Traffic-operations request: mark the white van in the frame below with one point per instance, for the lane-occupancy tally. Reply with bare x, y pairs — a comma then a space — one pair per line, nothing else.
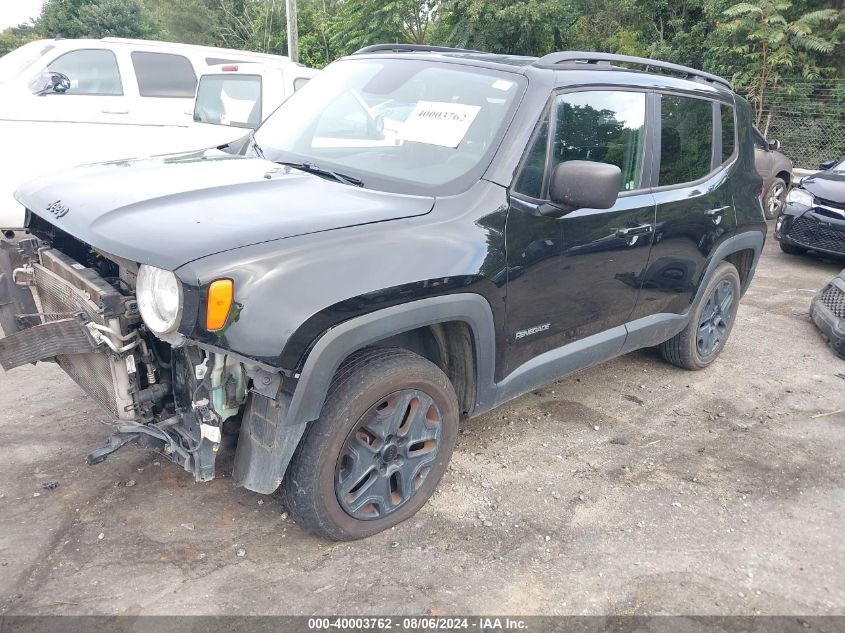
67, 102
243, 95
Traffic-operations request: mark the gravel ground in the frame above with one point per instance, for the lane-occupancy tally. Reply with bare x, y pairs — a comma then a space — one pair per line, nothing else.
631, 488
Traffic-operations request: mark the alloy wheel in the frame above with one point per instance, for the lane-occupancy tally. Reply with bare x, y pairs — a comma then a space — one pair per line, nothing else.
388, 454
715, 319
776, 200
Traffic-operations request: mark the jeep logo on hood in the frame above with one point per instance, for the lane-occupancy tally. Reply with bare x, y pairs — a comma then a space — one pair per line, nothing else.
57, 209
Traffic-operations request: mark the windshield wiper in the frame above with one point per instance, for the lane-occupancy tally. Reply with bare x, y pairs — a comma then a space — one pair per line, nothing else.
255, 144
325, 173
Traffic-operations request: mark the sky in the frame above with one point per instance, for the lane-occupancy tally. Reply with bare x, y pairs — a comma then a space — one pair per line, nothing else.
14, 12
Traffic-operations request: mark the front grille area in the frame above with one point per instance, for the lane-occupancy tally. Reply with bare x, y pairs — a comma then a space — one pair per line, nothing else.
833, 299
807, 232
95, 373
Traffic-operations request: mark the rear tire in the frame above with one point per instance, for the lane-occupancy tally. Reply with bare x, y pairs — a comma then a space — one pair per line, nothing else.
379, 448
704, 337
791, 249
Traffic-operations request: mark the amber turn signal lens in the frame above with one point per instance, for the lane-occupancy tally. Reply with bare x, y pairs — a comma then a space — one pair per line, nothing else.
220, 294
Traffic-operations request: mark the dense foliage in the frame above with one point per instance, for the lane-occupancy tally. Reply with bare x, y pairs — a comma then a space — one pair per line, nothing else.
774, 50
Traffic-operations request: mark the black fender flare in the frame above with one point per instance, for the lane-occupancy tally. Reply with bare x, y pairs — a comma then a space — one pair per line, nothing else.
273, 428
753, 240
336, 344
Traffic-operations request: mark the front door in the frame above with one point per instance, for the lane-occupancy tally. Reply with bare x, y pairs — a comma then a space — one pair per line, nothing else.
572, 277
96, 93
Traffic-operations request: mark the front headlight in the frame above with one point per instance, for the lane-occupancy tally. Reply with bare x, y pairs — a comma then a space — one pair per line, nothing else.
800, 197
159, 295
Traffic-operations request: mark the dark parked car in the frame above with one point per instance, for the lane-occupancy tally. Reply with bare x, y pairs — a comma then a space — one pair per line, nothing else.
776, 170
814, 215
332, 294
828, 313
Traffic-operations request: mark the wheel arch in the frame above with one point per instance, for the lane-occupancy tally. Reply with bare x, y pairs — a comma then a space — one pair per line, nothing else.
743, 251
444, 329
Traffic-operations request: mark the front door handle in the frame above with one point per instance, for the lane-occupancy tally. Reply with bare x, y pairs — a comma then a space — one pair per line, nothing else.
114, 111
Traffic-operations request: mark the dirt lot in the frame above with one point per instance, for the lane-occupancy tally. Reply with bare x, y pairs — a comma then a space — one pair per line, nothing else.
632, 488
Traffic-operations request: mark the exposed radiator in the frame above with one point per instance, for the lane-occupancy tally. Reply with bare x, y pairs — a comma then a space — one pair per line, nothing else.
103, 375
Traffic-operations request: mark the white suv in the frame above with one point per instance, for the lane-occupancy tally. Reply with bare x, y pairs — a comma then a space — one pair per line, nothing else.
66, 102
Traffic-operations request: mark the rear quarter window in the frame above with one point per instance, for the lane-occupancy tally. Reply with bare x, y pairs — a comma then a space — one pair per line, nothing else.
164, 75
728, 131
229, 100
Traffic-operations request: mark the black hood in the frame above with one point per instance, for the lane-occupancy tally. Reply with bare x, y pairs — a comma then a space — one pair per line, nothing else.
828, 185
171, 210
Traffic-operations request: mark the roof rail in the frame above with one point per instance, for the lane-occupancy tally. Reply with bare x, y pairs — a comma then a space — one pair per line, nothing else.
555, 59
410, 48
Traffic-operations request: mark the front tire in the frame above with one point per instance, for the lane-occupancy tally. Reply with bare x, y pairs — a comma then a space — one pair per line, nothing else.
379, 448
704, 337
775, 199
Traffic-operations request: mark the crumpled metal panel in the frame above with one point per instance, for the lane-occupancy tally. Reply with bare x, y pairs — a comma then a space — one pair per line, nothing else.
65, 336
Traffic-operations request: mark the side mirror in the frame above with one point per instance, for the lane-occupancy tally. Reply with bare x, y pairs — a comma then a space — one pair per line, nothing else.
580, 184
828, 164
52, 82
774, 146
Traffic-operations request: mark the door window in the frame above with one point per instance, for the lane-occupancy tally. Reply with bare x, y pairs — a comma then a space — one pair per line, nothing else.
759, 140
164, 75
91, 72
686, 139
604, 126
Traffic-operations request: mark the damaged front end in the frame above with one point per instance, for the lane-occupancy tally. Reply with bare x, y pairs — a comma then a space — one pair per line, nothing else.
81, 311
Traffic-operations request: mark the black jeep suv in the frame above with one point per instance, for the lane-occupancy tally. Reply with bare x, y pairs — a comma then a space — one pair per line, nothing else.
415, 237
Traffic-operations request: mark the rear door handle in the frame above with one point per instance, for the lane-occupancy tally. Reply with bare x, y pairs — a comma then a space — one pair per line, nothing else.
631, 231
631, 234
114, 111
716, 214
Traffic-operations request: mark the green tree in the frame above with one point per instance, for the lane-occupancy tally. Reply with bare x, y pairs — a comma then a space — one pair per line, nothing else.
16, 36
97, 18
189, 21
358, 23
522, 27
764, 45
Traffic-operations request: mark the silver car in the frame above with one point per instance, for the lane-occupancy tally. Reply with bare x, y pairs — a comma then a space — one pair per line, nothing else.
776, 170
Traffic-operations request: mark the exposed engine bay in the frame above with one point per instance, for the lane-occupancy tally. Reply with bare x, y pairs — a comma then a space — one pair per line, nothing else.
81, 312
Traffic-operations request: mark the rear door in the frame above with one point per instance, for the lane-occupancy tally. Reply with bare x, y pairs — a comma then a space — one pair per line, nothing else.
576, 276
166, 85
697, 153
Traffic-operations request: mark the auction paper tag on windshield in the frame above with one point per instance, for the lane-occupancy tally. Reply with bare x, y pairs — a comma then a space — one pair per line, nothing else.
439, 123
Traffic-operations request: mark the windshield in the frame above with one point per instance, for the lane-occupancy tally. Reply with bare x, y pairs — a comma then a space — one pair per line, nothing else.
15, 62
400, 125
229, 100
